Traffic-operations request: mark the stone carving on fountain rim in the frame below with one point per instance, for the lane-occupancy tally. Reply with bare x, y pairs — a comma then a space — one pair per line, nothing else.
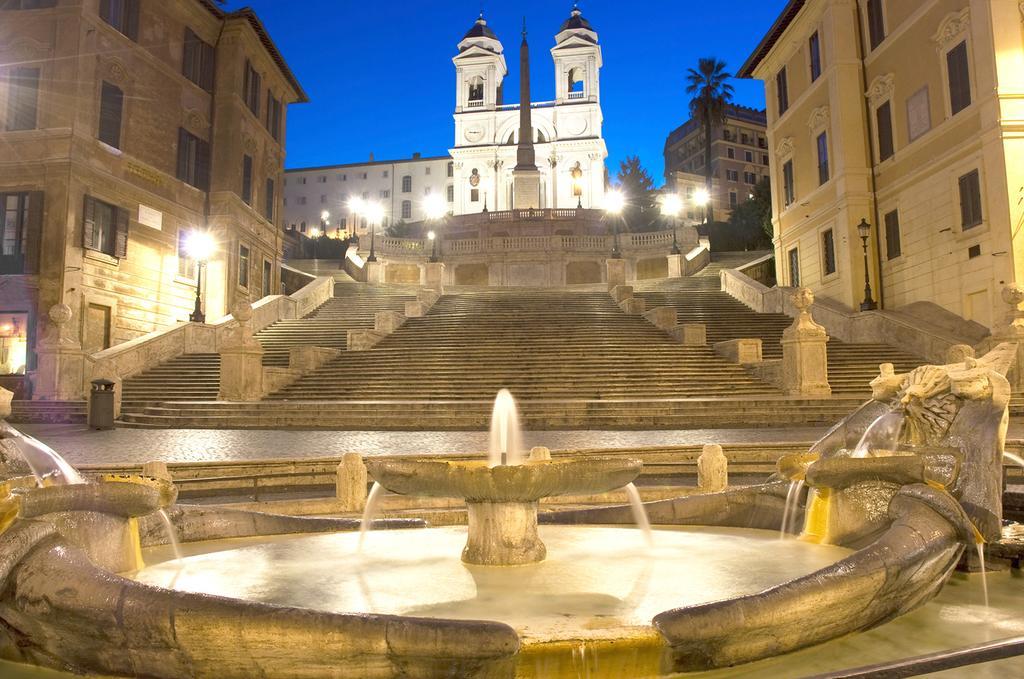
804, 326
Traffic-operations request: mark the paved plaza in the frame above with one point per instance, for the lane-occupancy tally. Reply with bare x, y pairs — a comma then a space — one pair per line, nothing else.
82, 446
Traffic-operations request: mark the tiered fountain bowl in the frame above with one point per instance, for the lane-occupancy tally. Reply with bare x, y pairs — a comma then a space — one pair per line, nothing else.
502, 500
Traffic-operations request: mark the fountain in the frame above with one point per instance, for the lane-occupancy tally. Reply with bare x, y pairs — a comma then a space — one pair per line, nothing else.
881, 531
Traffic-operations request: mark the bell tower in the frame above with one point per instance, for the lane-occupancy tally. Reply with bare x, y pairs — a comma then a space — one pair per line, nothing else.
479, 69
577, 57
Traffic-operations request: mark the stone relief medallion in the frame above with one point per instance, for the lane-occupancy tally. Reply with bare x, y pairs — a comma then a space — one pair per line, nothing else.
576, 125
474, 178
474, 133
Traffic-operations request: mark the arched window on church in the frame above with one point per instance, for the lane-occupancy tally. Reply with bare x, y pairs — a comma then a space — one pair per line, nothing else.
476, 91
576, 83
511, 139
541, 138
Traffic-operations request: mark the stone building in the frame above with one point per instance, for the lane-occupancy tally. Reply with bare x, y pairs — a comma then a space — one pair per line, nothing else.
739, 158
569, 147
400, 186
126, 125
911, 121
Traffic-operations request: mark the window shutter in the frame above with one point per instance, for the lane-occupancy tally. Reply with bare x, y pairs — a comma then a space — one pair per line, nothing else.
89, 224
111, 107
885, 145
121, 234
32, 232
182, 154
208, 61
203, 165
247, 179
131, 19
188, 55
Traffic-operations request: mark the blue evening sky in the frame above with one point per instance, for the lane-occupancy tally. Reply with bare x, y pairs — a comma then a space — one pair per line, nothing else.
380, 78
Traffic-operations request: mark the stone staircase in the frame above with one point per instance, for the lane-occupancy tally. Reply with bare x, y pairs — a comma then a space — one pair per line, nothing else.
698, 299
196, 377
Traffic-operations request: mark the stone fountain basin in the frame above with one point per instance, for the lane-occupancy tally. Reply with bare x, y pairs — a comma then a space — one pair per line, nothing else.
527, 482
125, 496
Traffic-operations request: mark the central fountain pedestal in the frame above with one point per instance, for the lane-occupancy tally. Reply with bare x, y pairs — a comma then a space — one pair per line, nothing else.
503, 533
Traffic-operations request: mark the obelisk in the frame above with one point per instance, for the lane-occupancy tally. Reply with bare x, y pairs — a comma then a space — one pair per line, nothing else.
525, 175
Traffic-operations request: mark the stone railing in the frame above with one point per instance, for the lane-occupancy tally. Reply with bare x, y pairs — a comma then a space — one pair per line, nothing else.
761, 269
867, 327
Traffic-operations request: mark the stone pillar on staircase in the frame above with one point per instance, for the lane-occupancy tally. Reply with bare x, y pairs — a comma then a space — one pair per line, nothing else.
1011, 329
433, 276
676, 266
60, 375
375, 272
804, 352
616, 270
241, 359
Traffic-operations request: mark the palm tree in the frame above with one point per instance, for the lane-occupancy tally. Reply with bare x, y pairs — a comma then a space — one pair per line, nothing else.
711, 95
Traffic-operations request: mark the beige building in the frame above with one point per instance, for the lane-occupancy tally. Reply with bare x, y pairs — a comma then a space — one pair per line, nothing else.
739, 159
911, 120
125, 125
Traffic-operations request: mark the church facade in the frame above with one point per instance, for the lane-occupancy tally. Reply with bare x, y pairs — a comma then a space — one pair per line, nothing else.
568, 144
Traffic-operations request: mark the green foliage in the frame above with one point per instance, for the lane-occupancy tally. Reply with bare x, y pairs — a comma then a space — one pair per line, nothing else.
711, 94
749, 226
640, 212
401, 229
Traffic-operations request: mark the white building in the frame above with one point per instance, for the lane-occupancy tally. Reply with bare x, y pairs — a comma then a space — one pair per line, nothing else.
567, 130
399, 185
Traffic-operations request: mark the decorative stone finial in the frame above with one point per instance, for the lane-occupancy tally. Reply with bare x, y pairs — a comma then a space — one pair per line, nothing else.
802, 298
1013, 323
58, 331
60, 314
804, 325
242, 311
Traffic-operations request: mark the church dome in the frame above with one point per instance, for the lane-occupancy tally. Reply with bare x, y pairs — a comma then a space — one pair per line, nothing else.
576, 22
480, 35
480, 29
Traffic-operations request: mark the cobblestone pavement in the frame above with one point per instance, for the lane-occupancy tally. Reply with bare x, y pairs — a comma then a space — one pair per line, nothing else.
83, 446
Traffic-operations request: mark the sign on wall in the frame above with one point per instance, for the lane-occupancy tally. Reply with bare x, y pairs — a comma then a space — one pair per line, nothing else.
150, 217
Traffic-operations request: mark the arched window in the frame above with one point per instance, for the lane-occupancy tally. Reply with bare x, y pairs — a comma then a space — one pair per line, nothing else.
576, 83
407, 183
406, 209
540, 137
476, 90
451, 169
511, 139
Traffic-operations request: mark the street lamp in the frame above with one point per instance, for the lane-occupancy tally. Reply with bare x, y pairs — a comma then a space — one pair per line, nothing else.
435, 208
199, 246
613, 204
577, 184
375, 213
670, 208
701, 197
864, 229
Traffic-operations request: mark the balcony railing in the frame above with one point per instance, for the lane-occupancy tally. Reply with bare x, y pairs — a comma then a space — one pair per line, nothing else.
478, 103
577, 95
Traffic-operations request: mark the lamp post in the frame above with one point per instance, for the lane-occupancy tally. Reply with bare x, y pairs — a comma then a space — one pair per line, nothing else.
577, 184
375, 213
864, 229
613, 204
433, 245
199, 247
435, 208
314, 235
701, 197
670, 207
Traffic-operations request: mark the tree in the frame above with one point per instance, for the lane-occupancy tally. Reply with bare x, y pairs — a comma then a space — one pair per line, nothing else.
711, 95
750, 224
637, 189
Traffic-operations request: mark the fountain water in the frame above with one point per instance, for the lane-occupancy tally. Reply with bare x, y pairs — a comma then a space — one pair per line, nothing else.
506, 447
1016, 459
46, 465
372, 500
883, 434
789, 513
172, 535
636, 503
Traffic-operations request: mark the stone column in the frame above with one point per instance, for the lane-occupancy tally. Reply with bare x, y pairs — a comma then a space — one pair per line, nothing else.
433, 276
350, 485
374, 272
616, 269
675, 266
60, 375
804, 355
241, 359
712, 470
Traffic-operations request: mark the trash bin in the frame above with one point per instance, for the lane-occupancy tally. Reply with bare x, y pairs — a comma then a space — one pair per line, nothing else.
101, 405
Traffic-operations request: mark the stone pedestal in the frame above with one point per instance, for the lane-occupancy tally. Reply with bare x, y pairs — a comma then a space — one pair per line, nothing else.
350, 485
691, 334
60, 371
633, 306
525, 189
663, 317
743, 351
374, 272
712, 470
241, 360
804, 352
433, 275
676, 266
415, 309
616, 272
503, 534
621, 292
388, 321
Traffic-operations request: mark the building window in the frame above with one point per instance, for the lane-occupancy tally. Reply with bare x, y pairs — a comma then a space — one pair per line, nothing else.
193, 160
406, 209
828, 252
197, 61
764, 158
366, 195
268, 277
748, 156
268, 205
111, 108
426, 170
363, 176
243, 266
876, 23
959, 78
123, 15
474, 195
730, 152
822, 158
302, 200
323, 199
20, 232
105, 228
22, 99
883, 114
406, 184
187, 267
476, 90
814, 46
342, 177
251, 88
385, 193
782, 90
451, 193
732, 199
302, 180
247, 179
788, 189
750, 178
794, 268
273, 121
732, 175
970, 200
322, 179
451, 169
893, 248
